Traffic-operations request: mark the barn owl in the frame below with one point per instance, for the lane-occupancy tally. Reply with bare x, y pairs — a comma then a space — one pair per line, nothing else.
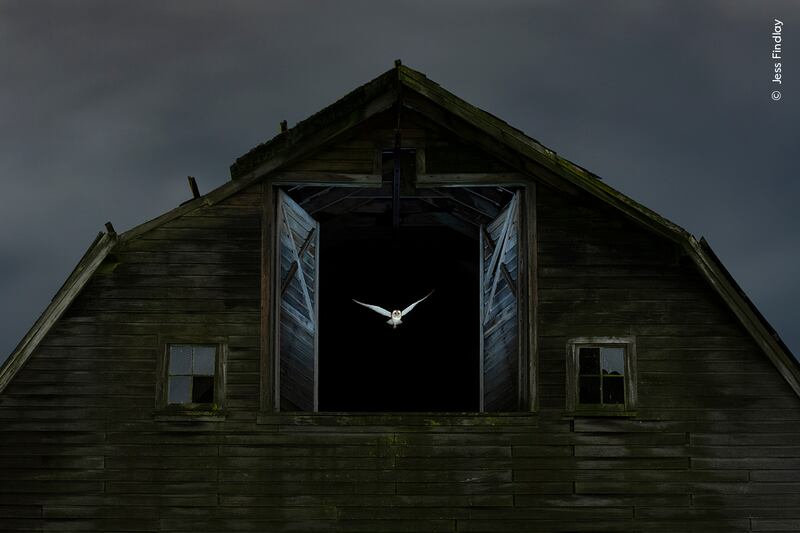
394, 316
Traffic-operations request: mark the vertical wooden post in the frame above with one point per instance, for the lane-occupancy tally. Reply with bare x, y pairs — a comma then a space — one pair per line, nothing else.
317, 251
268, 377
531, 331
396, 180
397, 155
193, 187
481, 302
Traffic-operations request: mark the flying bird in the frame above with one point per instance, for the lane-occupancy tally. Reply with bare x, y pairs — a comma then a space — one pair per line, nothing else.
396, 315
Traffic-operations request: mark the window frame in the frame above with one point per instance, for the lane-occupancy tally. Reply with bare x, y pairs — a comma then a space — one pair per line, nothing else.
528, 349
573, 405
162, 380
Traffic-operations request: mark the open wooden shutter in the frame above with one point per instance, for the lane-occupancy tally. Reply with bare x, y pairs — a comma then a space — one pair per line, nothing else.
499, 244
298, 288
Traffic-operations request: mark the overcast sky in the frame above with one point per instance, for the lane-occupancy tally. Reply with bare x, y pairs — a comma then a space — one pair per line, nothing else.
106, 107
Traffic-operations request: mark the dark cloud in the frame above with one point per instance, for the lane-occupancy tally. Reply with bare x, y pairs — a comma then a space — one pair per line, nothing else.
105, 107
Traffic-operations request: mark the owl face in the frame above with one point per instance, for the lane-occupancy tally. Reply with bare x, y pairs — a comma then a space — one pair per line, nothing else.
396, 314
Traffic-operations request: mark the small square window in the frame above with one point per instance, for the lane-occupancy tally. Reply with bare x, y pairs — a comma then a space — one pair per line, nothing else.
192, 375
601, 375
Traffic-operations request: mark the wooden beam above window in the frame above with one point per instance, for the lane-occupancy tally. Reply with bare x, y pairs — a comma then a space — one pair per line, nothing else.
468, 179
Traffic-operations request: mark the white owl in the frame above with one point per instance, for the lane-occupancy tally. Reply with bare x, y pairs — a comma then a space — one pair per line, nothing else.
396, 315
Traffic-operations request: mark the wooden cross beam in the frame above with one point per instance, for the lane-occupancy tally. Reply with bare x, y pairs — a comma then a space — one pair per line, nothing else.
468, 200
293, 269
507, 276
503, 270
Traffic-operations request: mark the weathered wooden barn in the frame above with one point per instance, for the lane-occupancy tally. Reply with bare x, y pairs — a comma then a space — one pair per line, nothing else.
582, 365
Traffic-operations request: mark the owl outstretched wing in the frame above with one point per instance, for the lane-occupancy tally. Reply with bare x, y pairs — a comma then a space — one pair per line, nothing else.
379, 310
410, 307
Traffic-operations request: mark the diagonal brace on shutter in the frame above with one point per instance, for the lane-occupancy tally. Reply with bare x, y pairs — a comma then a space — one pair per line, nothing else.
293, 269
496, 266
298, 267
503, 269
507, 276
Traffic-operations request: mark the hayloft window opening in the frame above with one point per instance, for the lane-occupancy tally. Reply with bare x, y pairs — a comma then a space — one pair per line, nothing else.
601, 375
192, 375
459, 351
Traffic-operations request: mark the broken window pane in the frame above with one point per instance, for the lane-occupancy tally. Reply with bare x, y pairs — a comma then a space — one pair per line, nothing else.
589, 389
589, 361
180, 360
203, 389
601, 367
179, 389
613, 390
191, 373
204, 360
613, 361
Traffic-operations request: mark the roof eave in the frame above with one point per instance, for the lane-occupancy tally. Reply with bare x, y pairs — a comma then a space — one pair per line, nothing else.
745, 310
321, 127
93, 258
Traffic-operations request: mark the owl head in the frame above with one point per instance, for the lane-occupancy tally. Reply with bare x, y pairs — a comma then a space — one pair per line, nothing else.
396, 314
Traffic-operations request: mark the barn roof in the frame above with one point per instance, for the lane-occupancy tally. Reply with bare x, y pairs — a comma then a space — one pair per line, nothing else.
412, 89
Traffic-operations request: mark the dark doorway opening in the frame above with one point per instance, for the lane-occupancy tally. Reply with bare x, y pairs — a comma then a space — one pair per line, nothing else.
346, 357
429, 362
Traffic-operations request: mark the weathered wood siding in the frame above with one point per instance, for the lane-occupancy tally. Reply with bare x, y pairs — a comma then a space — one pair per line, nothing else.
715, 443
713, 448
80, 447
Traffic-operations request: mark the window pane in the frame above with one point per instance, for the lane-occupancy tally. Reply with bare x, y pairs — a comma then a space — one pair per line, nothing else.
179, 387
204, 360
613, 389
589, 389
180, 359
613, 361
203, 389
589, 361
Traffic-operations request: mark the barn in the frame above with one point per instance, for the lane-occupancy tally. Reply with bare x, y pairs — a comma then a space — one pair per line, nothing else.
577, 362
